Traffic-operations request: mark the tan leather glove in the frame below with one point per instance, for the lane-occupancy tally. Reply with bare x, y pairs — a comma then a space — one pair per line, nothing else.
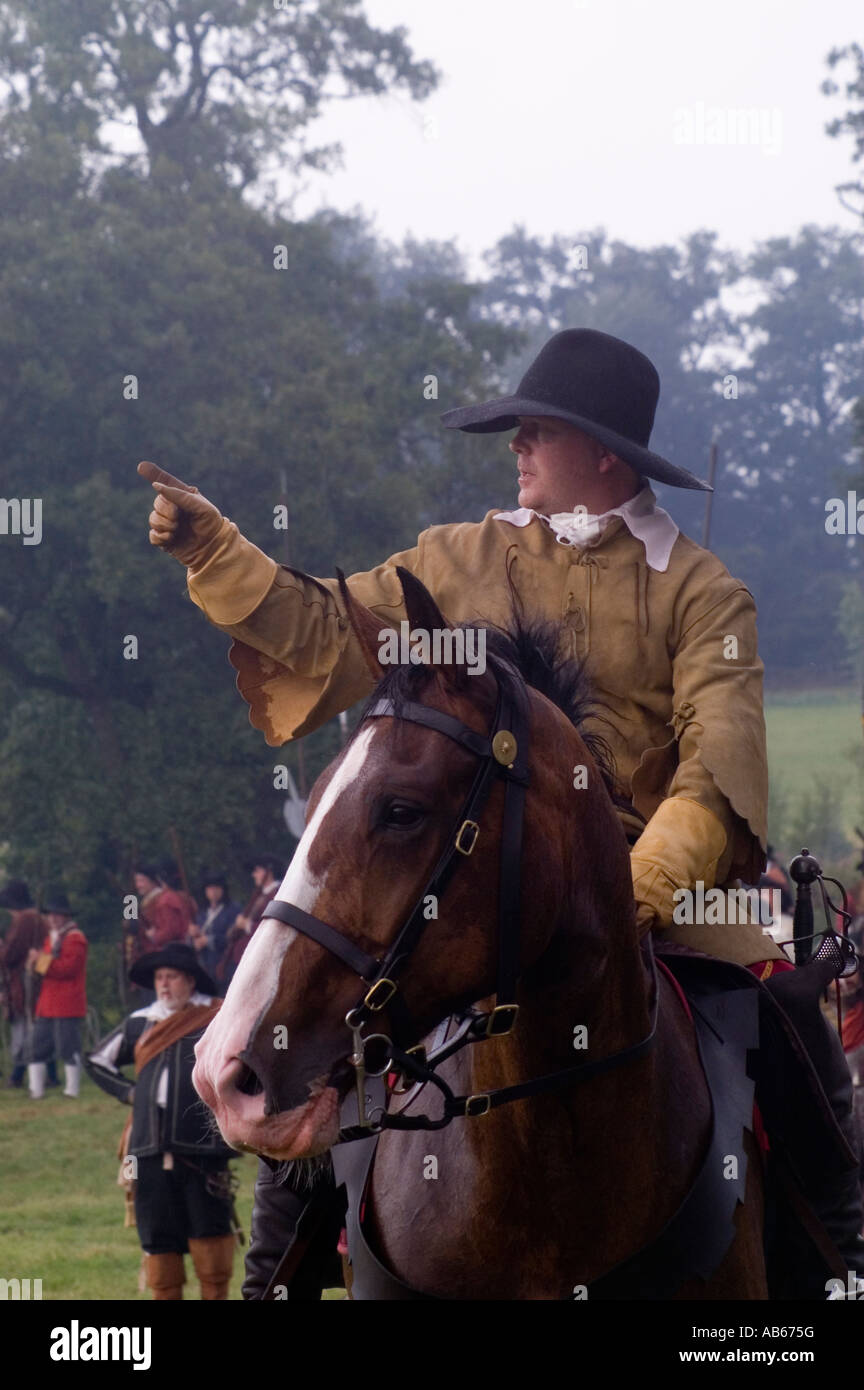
234, 573
682, 843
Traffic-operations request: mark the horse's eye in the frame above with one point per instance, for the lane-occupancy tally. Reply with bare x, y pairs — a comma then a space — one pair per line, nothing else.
400, 815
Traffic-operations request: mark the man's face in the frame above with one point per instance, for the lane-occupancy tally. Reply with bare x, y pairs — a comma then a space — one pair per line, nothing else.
173, 988
143, 885
260, 876
214, 894
56, 920
556, 463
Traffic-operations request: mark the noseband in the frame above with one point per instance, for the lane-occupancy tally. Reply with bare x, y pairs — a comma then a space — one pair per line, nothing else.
503, 755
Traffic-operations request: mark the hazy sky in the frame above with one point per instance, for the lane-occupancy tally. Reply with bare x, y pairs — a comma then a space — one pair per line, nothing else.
568, 115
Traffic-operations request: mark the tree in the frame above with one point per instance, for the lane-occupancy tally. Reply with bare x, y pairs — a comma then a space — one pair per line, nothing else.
218, 86
148, 315
851, 194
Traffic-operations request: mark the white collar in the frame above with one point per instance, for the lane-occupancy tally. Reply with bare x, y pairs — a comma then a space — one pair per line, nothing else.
159, 1009
646, 521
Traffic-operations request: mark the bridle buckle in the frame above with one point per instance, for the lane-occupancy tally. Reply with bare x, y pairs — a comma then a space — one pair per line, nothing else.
375, 999
478, 1105
501, 1020
471, 828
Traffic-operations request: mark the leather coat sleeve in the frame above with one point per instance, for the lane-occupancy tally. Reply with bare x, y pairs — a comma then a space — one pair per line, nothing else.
719, 722
297, 661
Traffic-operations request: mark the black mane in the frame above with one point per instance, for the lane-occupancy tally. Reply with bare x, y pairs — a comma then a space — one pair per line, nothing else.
532, 648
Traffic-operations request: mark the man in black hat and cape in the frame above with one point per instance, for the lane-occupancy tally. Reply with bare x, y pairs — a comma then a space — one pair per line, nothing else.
174, 1162
668, 634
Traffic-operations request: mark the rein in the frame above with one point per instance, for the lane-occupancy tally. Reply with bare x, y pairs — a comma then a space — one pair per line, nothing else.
502, 755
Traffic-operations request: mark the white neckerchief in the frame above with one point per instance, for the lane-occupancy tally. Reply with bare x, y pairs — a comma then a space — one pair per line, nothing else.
646, 521
159, 1009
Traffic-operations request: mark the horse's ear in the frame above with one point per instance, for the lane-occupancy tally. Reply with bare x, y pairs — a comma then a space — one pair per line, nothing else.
425, 615
423, 612
366, 628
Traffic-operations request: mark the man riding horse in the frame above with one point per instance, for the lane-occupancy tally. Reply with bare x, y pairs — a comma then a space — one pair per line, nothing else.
669, 637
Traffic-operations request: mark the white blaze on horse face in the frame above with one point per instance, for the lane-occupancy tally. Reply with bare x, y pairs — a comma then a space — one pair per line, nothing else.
256, 981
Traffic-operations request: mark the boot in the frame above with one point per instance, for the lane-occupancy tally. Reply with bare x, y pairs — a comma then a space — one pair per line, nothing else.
73, 1079
836, 1200
36, 1079
213, 1258
166, 1276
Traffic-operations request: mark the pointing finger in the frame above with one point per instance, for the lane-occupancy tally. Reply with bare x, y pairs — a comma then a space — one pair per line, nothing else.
154, 474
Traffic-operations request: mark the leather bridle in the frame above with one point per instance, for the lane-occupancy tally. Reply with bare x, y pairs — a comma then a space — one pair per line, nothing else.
503, 755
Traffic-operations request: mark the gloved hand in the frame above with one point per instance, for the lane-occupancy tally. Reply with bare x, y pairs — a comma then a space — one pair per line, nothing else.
187, 526
682, 843
182, 521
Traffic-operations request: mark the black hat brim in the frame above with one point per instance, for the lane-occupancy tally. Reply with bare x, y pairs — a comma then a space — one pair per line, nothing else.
503, 414
143, 972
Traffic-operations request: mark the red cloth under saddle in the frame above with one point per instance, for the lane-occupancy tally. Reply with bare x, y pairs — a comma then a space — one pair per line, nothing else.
853, 1027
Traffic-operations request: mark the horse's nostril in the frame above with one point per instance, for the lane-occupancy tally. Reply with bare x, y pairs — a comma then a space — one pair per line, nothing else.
248, 1082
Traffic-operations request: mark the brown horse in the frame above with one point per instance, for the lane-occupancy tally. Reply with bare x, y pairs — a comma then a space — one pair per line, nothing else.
542, 1195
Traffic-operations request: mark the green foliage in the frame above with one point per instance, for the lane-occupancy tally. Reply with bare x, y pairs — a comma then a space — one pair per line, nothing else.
851, 58
219, 88
142, 315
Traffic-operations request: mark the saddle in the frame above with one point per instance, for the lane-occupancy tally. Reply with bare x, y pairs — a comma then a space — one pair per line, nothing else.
803, 1143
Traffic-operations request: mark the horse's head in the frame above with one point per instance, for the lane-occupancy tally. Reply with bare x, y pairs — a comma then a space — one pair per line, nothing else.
274, 1064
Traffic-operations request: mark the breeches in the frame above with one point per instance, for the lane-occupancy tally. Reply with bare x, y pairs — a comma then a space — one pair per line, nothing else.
57, 1037
174, 1205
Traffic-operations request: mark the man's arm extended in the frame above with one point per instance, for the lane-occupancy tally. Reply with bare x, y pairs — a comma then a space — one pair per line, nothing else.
297, 660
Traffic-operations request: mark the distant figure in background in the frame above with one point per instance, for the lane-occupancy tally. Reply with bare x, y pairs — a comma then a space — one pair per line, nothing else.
213, 923
163, 914
170, 875
177, 1159
26, 933
267, 873
62, 1006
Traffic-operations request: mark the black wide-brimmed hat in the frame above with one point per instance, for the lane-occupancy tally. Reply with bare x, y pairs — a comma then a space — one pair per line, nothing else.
216, 880
173, 956
599, 383
16, 895
57, 901
266, 861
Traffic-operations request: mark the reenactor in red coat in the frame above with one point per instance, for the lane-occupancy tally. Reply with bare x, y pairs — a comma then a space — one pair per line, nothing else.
62, 1006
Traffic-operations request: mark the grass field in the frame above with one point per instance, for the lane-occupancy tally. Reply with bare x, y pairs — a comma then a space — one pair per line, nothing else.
61, 1214
816, 765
